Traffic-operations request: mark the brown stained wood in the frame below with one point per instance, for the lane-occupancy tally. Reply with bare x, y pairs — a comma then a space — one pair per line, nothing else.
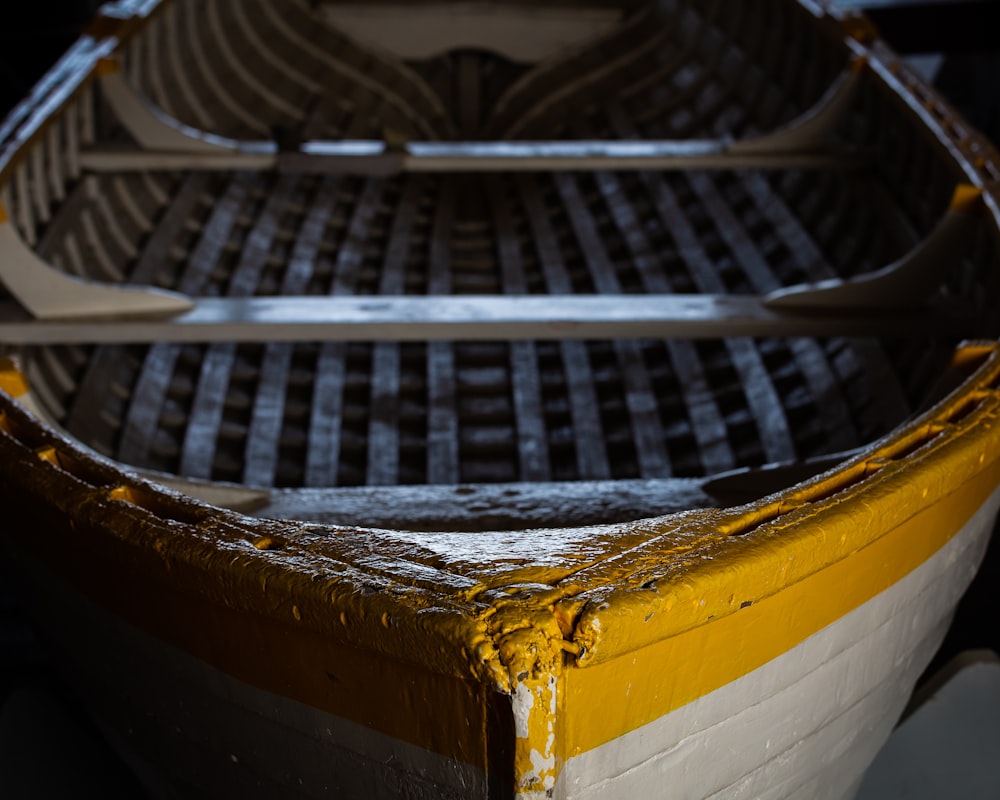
588, 434
150, 388
205, 418
525, 379
267, 419
327, 407
442, 415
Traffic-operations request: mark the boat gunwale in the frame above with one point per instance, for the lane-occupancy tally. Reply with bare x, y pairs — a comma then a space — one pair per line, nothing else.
326, 567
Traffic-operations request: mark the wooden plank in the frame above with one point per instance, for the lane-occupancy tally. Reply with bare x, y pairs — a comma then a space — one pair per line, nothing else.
763, 399
327, 408
109, 365
765, 403
818, 373
481, 318
383, 421
150, 389
499, 506
205, 418
264, 433
369, 157
588, 433
648, 433
526, 389
647, 430
442, 415
803, 248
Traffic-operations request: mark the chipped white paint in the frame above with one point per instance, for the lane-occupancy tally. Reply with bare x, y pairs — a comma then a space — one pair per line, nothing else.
522, 701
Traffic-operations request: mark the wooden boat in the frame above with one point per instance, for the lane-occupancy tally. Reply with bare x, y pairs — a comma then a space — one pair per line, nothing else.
561, 402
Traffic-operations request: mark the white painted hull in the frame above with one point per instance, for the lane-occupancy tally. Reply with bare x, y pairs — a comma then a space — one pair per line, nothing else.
808, 723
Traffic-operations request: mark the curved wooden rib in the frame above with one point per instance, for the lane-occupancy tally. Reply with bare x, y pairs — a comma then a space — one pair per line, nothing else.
50, 294
154, 130
169, 144
907, 283
812, 130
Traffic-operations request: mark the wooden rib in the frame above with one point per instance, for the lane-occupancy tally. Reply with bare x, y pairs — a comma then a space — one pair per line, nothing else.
205, 418
442, 416
267, 416
647, 431
383, 422
762, 398
838, 421
711, 433
686, 96
627, 53
803, 248
326, 411
179, 69
526, 389
269, 50
283, 25
588, 433
761, 393
151, 386
663, 74
257, 90
219, 95
764, 401
109, 365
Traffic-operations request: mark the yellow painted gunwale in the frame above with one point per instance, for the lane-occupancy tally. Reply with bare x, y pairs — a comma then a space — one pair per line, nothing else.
709, 566
938, 497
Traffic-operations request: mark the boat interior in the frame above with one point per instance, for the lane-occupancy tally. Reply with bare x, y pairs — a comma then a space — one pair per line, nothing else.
483, 165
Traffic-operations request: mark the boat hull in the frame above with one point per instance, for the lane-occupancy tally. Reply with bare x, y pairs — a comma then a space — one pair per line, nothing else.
268, 709
471, 363
805, 724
